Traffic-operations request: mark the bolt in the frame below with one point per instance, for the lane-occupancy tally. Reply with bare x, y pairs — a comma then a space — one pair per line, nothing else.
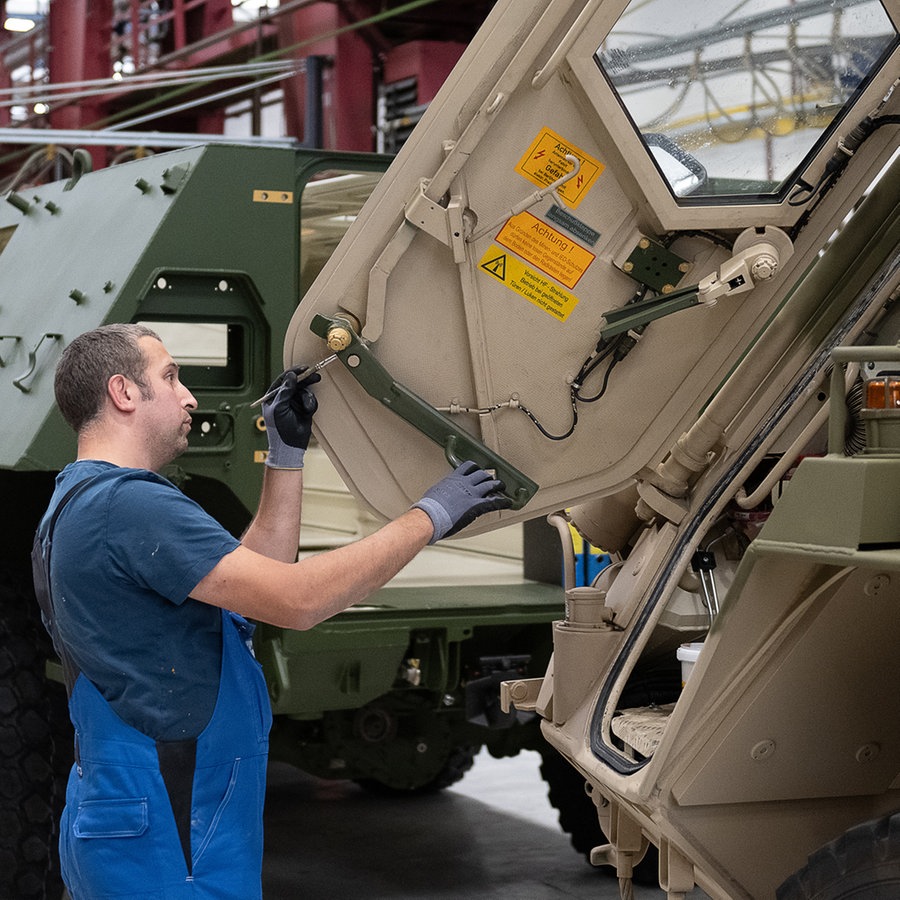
628, 267
643, 243
764, 267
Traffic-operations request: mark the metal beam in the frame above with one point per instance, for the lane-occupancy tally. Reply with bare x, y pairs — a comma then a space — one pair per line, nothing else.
77, 137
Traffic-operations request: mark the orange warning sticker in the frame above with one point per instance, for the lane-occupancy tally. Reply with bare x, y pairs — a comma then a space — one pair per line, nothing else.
550, 250
528, 282
545, 162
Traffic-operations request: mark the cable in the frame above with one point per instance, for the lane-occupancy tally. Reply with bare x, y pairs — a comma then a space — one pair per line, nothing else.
547, 434
604, 385
804, 193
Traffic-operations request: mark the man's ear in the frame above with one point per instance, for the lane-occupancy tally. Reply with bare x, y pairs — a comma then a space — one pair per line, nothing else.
122, 392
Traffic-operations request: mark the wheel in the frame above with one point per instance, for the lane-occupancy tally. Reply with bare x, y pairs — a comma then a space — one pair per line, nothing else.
863, 863
458, 763
578, 815
35, 748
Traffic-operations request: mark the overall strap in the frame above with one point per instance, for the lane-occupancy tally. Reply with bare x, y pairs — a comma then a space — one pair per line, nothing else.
40, 565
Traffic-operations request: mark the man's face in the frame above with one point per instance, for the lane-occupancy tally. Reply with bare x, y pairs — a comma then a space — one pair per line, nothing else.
167, 405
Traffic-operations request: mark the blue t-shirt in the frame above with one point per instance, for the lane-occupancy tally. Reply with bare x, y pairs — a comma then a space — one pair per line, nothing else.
127, 551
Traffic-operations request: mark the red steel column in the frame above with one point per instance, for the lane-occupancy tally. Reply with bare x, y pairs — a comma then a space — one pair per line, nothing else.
79, 38
348, 106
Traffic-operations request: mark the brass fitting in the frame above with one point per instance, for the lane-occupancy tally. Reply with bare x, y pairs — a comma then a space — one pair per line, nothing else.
338, 337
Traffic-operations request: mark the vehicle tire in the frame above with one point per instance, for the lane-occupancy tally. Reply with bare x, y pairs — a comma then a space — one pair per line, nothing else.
863, 863
35, 748
578, 815
458, 763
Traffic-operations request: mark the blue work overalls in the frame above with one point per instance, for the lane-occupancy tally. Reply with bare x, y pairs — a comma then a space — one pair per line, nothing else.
154, 820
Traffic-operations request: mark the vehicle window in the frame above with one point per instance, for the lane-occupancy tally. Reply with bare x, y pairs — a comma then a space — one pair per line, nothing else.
730, 100
210, 354
328, 206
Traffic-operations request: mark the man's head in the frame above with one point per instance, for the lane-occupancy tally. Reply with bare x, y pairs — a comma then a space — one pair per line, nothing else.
118, 387
88, 363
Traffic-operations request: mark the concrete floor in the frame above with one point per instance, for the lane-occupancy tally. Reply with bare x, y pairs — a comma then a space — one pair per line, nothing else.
494, 835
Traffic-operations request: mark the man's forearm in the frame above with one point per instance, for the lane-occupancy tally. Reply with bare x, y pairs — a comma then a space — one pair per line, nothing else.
275, 529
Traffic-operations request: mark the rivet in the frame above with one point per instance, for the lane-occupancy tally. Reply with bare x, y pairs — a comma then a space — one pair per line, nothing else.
762, 750
519, 690
868, 752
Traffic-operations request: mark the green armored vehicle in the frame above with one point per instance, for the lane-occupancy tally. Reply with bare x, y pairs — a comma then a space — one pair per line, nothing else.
213, 247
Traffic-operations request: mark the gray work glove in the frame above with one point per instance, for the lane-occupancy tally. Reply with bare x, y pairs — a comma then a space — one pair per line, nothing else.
457, 500
288, 417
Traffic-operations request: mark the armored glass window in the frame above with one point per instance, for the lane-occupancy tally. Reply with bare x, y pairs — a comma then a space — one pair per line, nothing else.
730, 101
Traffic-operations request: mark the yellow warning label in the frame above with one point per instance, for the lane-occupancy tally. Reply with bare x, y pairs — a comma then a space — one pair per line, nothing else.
528, 282
545, 162
545, 247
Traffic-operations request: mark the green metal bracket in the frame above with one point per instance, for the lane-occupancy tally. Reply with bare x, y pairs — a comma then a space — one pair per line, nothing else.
634, 315
458, 445
656, 266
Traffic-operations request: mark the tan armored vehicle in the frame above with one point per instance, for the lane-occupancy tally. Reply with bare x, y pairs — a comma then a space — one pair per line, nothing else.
642, 259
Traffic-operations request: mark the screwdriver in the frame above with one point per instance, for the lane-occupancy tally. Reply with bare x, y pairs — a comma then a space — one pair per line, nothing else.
304, 374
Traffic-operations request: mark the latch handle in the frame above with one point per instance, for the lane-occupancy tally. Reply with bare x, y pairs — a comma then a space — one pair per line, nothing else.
458, 445
32, 362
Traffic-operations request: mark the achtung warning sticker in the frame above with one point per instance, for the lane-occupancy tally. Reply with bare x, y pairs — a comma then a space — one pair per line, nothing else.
545, 162
543, 246
528, 282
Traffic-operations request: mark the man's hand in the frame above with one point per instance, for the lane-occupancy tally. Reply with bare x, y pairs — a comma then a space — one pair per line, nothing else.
457, 500
288, 417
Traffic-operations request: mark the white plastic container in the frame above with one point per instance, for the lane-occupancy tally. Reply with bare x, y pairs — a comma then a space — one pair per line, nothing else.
687, 654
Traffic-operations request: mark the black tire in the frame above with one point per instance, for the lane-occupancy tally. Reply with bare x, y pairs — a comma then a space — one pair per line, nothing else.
35, 748
578, 815
863, 863
458, 763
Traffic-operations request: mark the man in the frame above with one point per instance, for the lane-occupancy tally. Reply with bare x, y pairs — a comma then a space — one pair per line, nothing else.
145, 595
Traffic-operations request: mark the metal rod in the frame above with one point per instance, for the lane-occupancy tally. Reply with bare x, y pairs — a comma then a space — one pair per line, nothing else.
306, 373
